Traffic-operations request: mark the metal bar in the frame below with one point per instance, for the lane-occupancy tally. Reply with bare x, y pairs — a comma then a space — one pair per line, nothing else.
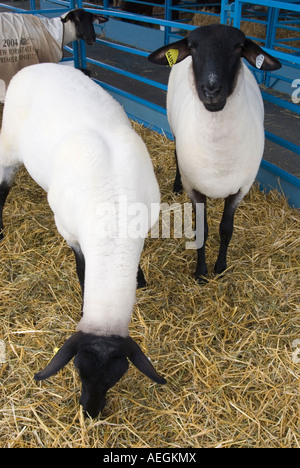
281, 173
275, 4
122, 47
136, 77
282, 142
126, 94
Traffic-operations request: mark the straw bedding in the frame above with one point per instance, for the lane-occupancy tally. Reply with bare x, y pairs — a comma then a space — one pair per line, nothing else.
228, 349
256, 30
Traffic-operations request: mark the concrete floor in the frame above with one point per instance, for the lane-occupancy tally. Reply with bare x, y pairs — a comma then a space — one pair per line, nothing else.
277, 120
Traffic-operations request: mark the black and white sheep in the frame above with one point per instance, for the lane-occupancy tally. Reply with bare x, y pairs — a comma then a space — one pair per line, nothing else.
28, 39
216, 115
79, 146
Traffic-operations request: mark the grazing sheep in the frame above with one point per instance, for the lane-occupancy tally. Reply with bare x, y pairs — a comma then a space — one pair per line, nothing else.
77, 143
216, 115
28, 39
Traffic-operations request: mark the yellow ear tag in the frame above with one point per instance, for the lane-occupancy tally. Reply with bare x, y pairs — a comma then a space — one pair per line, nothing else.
172, 56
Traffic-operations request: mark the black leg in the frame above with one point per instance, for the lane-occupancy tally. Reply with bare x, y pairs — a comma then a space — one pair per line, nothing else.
80, 267
226, 230
4, 190
177, 187
141, 282
201, 267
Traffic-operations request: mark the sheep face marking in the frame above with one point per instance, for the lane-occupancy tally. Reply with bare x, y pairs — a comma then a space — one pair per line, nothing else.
216, 61
83, 21
216, 52
101, 365
101, 362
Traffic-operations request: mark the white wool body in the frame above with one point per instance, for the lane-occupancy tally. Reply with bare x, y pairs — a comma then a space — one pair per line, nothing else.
218, 152
77, 143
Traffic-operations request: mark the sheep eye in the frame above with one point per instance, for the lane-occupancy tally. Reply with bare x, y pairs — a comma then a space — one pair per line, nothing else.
191, 47
238, 48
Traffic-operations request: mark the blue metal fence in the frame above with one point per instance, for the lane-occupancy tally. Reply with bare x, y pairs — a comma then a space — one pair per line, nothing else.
286, 16
138, 40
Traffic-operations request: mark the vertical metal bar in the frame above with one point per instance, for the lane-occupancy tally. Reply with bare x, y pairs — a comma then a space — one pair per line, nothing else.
225, 12
237, 15
273, 14
168, 17
79, 50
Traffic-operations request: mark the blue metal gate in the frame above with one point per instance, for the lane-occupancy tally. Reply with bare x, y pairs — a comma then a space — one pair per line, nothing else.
139, 39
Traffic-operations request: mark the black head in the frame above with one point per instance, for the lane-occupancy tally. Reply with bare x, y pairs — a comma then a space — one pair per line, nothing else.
83, 21
101, 362
216, 52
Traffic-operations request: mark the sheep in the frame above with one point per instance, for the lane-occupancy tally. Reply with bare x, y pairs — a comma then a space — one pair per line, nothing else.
77, 143
28, 39
216, 116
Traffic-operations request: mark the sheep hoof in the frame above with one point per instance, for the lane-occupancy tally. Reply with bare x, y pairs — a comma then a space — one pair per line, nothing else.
201, 278
219, 269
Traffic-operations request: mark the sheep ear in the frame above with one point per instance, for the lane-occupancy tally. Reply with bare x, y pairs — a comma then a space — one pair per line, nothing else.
77, 14
170, 54
97, 19
61, 358
141, 362
68, 17
258, 58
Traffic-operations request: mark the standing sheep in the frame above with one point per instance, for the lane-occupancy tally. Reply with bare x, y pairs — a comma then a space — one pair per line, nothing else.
216, 115
29, 39
77, 143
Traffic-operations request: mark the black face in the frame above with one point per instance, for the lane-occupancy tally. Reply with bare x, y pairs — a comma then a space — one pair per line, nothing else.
216, 53
84, 27
99, 370
101, 361
83, 21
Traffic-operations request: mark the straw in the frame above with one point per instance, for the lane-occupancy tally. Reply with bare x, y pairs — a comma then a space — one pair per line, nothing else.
227, 348
256, 29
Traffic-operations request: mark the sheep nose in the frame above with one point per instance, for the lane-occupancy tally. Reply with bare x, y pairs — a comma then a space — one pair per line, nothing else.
211, 91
